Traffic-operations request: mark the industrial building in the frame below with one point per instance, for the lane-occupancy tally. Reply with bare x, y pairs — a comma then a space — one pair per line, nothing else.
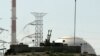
64, 46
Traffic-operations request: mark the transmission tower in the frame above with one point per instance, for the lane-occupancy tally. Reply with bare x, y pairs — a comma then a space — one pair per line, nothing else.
38, 27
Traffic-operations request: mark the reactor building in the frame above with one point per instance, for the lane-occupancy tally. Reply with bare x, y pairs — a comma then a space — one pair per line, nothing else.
69, 40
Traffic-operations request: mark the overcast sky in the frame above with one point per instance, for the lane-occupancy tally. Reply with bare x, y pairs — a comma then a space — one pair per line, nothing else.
59, 18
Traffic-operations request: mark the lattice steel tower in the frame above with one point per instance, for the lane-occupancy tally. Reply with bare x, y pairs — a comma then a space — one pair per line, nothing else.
38, 28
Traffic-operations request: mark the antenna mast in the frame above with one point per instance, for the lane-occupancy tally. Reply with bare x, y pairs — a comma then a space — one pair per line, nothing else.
75, 23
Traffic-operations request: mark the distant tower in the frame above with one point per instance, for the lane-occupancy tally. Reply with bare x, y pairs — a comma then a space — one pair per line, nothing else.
38, 28
13, 27
75, 22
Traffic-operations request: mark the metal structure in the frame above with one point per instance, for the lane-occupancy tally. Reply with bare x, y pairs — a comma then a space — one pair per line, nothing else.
38, 27
1, 30
3, 45
75, 22
13, 27
29, 36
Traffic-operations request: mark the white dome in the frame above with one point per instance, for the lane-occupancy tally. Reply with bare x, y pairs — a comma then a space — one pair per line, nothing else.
85, 47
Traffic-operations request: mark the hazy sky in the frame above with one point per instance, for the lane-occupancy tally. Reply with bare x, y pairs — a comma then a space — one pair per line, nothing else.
59, 18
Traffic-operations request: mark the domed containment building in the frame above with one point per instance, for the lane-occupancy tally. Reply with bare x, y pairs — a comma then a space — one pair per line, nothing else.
85, 47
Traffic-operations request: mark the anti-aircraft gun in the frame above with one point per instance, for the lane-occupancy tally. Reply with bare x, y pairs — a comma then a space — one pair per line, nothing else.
47, 41
49, 35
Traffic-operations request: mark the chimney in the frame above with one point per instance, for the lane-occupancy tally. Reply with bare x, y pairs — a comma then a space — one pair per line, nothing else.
13, 26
